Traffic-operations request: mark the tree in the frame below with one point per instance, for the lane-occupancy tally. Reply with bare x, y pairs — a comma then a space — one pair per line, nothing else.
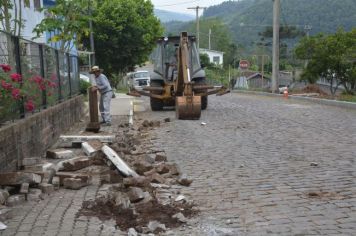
68, 20
12, 23
331, 57
125, 32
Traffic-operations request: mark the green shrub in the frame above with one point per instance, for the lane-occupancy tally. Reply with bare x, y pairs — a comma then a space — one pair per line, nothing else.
84, 87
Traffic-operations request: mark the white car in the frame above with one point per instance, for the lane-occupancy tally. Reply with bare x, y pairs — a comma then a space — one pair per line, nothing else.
139, 79
84, 78
282, 88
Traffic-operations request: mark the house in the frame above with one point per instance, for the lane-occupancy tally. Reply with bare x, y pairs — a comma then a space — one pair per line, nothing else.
215, 57
257, 80
31, 16
252, 79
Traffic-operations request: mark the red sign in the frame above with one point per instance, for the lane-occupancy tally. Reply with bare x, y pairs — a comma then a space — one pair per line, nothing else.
244, 64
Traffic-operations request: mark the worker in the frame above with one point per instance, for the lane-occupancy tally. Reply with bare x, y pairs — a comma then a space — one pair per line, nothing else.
173, 65
105, 90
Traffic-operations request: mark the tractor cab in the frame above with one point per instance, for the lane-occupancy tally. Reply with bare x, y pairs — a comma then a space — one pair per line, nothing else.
165, 59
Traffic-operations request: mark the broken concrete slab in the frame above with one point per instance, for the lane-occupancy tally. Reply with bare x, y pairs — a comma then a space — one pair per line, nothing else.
15, 200
86, 138
4, 195
30, 161
2, 226
74, 164
74, 183
59, 154
88, 149
17, 178
135, 194
117, 161
84, 177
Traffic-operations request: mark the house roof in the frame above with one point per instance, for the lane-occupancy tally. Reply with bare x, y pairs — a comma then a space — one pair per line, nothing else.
254, 75
209, 50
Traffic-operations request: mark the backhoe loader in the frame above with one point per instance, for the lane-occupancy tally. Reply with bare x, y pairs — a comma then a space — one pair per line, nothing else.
178, 78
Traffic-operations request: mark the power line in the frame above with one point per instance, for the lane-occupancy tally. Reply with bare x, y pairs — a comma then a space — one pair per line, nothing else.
176, 4
197, 8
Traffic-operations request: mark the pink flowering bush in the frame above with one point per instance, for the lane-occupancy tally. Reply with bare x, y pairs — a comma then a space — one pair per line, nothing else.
14, 88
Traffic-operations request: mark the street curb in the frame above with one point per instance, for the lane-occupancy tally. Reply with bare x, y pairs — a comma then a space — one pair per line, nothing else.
348, 105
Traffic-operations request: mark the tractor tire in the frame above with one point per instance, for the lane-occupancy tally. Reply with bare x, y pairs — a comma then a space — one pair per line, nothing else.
204, 99
156, 104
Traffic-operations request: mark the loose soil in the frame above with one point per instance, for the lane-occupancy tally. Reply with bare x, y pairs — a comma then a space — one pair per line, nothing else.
140, 216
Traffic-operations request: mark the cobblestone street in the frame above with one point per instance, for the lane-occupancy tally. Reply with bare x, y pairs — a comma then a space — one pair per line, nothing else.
260, 166
266, 166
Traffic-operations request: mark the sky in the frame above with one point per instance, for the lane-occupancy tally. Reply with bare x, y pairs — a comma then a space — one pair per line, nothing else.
182, 5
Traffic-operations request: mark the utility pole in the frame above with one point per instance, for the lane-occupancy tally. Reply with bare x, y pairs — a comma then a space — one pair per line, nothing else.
92, 56
197, 8
209, 39
275, 54
307, 28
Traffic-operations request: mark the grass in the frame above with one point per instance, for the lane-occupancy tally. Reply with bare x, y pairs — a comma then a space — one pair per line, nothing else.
347, 98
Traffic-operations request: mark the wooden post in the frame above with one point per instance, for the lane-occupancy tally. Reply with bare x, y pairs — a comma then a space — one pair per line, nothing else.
94, 125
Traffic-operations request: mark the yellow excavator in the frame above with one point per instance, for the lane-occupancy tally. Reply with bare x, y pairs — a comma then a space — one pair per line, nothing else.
178, 78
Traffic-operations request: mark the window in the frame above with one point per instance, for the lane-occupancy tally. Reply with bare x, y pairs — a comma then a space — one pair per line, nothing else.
216, 59
37, 4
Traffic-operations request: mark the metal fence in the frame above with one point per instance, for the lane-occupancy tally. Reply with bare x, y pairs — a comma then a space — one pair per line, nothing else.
30, 59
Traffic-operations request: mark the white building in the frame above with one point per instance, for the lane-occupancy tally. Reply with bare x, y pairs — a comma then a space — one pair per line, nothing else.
31, 16
215, 57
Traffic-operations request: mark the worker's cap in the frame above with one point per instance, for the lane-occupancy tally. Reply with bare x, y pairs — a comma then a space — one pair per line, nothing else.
95, 69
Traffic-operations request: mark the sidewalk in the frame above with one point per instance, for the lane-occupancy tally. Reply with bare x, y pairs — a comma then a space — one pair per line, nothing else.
55, 214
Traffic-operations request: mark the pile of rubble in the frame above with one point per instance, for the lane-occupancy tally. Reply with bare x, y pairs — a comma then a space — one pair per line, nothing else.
139, 188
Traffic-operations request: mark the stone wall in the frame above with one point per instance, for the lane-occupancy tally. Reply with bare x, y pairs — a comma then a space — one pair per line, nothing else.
31, 136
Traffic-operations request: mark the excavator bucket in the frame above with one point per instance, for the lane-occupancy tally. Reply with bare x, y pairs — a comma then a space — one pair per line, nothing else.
188, 107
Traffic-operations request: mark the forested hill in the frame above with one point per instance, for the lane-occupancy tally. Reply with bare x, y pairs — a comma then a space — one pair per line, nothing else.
246, 18
166, 16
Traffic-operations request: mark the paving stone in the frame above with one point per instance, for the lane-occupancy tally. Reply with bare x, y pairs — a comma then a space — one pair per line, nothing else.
74, 183
74, 164
135, 194
24, 188
15, 200
30, 161
59, 154
46, 188
17, 178
160, 156
4, 195
62, 175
